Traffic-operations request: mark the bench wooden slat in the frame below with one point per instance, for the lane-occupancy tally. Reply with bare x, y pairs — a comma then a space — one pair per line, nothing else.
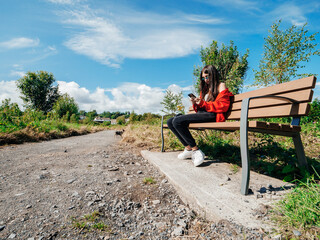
300, 96
303, 83
288, 110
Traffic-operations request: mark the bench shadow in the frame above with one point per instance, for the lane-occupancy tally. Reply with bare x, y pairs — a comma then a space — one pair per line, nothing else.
270, 159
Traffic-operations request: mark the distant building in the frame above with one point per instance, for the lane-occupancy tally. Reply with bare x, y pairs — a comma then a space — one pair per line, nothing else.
101, 120
113, 121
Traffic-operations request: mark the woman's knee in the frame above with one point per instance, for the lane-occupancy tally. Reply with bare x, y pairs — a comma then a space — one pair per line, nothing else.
177, 121
170, 122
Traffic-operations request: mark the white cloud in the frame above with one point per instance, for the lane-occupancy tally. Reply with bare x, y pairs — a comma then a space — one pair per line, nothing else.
64, 2
8, 89
17, 73
20, 43
127, 97
289, 12
243, 5
317, 91
110, 40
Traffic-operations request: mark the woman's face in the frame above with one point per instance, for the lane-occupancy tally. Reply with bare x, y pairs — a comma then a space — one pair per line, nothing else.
205, 77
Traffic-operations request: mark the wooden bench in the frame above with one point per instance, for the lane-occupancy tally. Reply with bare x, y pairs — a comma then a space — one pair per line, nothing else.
290, 99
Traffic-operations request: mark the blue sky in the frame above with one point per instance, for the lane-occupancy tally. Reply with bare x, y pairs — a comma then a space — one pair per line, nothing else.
122, 55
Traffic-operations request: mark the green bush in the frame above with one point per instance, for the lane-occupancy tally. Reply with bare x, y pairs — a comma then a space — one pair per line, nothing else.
106, 123
65, 105
74, 118
9, 111
121, 120
314, 114
31, 115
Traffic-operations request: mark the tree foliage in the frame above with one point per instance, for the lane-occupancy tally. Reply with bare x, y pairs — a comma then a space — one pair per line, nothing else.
172, 103
121, 120
284, 52
9, 112
65, 104
38, 90
229, 63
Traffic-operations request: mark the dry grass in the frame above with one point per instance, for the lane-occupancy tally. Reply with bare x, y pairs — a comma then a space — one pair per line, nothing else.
142, 136
30, 134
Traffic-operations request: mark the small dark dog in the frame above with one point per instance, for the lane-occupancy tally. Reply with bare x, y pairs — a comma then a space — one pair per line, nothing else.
119, 133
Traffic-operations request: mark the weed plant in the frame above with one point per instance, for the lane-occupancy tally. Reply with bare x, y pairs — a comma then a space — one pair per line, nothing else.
90, 222
300, 210
149, 180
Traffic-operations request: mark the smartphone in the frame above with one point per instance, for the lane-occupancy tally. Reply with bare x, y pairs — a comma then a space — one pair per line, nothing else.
191, 95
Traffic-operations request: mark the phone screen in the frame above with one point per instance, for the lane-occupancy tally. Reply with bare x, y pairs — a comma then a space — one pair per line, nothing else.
191, 95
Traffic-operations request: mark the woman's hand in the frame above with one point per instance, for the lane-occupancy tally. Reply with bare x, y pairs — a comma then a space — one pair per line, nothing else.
195, 100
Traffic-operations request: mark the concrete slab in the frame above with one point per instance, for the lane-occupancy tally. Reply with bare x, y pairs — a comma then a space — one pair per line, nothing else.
213, 191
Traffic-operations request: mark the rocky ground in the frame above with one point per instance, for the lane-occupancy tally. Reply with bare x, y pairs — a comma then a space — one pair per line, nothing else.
93, 187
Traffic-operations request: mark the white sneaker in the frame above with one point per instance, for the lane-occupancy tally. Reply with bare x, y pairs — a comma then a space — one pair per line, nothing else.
185, 154
197, 157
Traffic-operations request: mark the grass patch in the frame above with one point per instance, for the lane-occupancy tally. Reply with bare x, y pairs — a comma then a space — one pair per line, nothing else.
149, 180
90, 222
234, 168
300, 210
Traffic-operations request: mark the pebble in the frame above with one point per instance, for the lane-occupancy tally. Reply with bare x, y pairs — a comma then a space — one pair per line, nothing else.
164, 181
296, 233
71, 180
178, 231
28, 206
155, 202
12, 236
19, 194
2, 227
277, 237
113, 169
139, 172
75, 194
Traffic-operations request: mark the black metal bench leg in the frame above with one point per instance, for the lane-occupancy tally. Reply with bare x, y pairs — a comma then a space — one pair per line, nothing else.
245, 161
300, 151
245, 157
162, 136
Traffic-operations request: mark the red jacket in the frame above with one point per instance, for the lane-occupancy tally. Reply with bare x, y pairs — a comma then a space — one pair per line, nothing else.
219, 106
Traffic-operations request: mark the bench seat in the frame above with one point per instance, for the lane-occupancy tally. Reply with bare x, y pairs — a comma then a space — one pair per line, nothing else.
233, 126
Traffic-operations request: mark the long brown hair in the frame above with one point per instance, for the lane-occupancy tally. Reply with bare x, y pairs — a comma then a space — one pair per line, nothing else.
212, 87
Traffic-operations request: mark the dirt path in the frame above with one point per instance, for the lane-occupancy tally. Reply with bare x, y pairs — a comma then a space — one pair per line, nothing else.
91, 187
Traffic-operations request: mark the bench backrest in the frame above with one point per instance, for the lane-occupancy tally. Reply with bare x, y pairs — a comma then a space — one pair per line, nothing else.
299, 90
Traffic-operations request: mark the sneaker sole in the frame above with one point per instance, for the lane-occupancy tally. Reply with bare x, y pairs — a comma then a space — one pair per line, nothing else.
198, 164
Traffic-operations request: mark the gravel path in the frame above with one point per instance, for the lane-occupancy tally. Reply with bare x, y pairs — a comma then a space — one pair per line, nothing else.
92, 187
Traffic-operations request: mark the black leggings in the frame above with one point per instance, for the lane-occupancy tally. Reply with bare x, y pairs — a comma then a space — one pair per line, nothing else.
180, 123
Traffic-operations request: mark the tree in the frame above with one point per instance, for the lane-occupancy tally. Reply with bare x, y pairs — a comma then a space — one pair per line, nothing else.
172, 103
284, 51
37, 90
133, 117
65, 104
121, 120
230, 64
9, 112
